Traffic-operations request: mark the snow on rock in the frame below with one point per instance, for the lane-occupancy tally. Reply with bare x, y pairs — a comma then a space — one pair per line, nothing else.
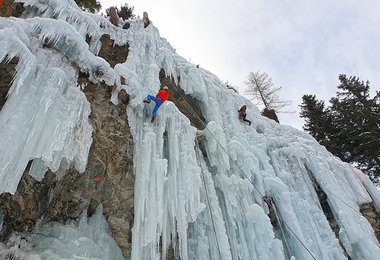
202, 198
46, 114
372, 190
85, 238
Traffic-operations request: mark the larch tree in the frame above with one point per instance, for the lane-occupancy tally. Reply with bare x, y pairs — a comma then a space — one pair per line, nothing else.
262, 92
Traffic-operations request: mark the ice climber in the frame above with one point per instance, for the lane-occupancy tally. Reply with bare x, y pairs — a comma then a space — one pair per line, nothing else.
243, 114
159, 99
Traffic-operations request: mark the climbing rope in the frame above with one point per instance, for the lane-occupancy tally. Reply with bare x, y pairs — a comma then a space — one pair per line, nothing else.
282, 230
327, 190
208, 202
338, 177
192, 110
311, 226
203, 178
239, 168
205, 126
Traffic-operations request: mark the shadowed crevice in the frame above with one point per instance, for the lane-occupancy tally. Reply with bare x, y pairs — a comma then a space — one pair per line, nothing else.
7, 72
188, 105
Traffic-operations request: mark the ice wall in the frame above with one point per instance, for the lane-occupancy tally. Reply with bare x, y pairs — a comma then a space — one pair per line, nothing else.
243, 164
199, 197
46, 114
45, 118
85, 238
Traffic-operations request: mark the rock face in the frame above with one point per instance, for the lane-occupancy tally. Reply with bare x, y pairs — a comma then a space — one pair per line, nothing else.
185, 103
6, 74
111, 163
270, 113
10, 8
113, 54
108, 178
368, 210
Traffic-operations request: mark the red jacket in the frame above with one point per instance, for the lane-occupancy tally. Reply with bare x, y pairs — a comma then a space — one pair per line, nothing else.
163, 95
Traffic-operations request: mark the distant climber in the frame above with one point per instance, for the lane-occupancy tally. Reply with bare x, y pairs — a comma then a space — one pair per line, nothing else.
126, 25
146, 19
114, 17
159, 99
243, 114
197, 66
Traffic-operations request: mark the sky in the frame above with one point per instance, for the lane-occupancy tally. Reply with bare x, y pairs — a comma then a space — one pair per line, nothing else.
302, 45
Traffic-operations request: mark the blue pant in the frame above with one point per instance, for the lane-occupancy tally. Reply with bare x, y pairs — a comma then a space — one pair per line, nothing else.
158, 104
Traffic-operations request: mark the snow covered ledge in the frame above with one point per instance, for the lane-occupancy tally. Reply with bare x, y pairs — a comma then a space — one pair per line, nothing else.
370, 187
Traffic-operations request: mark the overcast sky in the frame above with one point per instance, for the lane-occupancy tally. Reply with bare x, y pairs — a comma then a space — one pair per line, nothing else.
302, 45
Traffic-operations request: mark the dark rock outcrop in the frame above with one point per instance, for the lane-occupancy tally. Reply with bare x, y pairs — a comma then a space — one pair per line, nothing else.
369, 212
22, 210
108, 179
111, 160
7, 71
10, 8
112, 53
188, 105
270, 113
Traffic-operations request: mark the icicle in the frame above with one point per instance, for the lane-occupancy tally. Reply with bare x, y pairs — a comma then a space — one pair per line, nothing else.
242, 161
46, 119
85, 238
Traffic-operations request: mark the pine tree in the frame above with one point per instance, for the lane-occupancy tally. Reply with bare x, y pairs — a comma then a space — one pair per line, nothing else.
358, 116
126, 12
317, 118
89, 5
349, 128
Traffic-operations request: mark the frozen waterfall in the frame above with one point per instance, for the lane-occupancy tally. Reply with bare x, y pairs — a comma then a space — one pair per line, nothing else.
201, 193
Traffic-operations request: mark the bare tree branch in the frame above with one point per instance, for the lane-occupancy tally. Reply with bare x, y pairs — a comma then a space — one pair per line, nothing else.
262, 91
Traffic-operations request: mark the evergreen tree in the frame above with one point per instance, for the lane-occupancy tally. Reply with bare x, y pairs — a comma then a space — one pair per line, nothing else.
358, 116
126, 12
316, 117
89, 5
349, 128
